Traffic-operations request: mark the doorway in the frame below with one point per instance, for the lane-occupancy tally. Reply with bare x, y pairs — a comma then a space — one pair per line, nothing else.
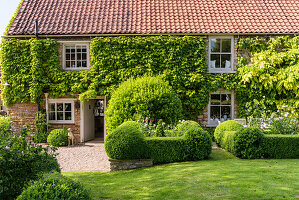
93, 119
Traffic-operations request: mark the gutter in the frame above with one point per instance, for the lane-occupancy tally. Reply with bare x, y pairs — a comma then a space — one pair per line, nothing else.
140, 34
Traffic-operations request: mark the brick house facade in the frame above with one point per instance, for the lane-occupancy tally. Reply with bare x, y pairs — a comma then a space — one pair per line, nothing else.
73, 23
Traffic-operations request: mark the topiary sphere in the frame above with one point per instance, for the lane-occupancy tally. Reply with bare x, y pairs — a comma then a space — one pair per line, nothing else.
184, 126
125, 143
145, 97
229, 125
135, 124
247, 143
199, 143
58, 137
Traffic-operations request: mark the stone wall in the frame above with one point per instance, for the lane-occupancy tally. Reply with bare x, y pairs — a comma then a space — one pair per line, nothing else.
118, 165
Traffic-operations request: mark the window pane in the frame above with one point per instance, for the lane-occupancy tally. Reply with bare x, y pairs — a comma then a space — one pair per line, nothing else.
226, 45
215, 113
73, 56
78, 56
73, 64
68, 115
84, 64
51, 106
226, 99
83, 56
67, 50
67, 56
215, 99
215, 61
225, 113
84, 49
68, 107
60, 107
52, 116
73, 50
225, 61
59, 115
79, 49
215, 45
79, 64
68, 64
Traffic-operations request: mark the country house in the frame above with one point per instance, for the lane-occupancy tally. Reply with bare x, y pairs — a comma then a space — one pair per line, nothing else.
74, 24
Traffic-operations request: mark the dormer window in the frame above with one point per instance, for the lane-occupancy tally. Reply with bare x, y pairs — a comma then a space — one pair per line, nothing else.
221, 54
75, 56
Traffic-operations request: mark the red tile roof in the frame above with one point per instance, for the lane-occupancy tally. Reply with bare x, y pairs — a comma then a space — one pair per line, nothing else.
68, 17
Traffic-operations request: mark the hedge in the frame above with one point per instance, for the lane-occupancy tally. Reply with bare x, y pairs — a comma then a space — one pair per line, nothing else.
280, 146
252, 143
166, 149
229, 125
126, 142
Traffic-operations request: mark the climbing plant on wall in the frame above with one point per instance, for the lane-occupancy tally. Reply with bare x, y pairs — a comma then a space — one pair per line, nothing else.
32, 67
269, 73
179, 60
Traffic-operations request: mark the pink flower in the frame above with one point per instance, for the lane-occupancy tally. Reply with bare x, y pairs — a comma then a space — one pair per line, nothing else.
154, 125
180, 121
163, 123
32, 143
7, 148
145, 125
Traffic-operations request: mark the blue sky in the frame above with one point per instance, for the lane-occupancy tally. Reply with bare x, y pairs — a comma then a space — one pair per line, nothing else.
7, 10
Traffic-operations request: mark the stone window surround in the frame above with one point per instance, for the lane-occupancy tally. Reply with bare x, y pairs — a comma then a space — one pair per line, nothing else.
222, 70
71, 101
221, 91
73, 43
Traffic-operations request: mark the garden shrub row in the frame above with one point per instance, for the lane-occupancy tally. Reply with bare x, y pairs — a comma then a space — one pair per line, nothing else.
280, 146
127, 142
253, 143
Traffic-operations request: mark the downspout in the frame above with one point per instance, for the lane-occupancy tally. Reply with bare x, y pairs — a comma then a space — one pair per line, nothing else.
38, 98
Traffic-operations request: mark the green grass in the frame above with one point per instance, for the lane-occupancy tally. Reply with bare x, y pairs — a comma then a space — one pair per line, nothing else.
221, 177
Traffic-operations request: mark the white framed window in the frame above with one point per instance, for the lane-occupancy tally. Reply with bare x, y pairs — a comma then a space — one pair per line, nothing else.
61, 111
75, 55
221, 107
221, 51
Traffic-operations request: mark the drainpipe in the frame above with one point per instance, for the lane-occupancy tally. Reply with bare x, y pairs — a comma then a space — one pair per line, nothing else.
46, 95
38, 98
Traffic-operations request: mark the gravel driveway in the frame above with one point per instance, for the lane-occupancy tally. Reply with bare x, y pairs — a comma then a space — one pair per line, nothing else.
88, 157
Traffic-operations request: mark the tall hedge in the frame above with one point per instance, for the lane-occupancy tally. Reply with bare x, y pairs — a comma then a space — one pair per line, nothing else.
145, 97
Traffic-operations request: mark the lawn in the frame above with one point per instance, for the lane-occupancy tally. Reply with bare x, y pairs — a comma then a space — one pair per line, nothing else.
221, 177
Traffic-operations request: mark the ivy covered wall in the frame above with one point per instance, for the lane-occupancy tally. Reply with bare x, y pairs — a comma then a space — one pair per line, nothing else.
32, 67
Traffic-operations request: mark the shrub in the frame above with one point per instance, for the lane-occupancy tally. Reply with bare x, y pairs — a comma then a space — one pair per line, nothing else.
58, 137
185, 126
228, 142
198, 143
146, 97
125, 142
54, 186
247, 143
160, 129
135, 124
21, 162
5, 125
280, 146
229, 125
166, 149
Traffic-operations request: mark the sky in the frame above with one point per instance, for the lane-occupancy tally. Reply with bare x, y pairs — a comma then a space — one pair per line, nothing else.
7, 10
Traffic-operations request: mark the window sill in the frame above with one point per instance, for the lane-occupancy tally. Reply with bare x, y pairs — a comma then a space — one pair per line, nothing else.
211, 125
76, 69
219, 71
62, 122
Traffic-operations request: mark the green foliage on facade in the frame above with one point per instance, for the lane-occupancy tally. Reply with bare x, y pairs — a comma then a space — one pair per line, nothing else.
32, 67
271, 70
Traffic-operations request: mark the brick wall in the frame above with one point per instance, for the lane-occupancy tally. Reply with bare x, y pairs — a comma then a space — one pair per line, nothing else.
24, 113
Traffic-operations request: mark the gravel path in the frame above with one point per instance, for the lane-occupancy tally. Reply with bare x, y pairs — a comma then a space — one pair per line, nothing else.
88, 157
